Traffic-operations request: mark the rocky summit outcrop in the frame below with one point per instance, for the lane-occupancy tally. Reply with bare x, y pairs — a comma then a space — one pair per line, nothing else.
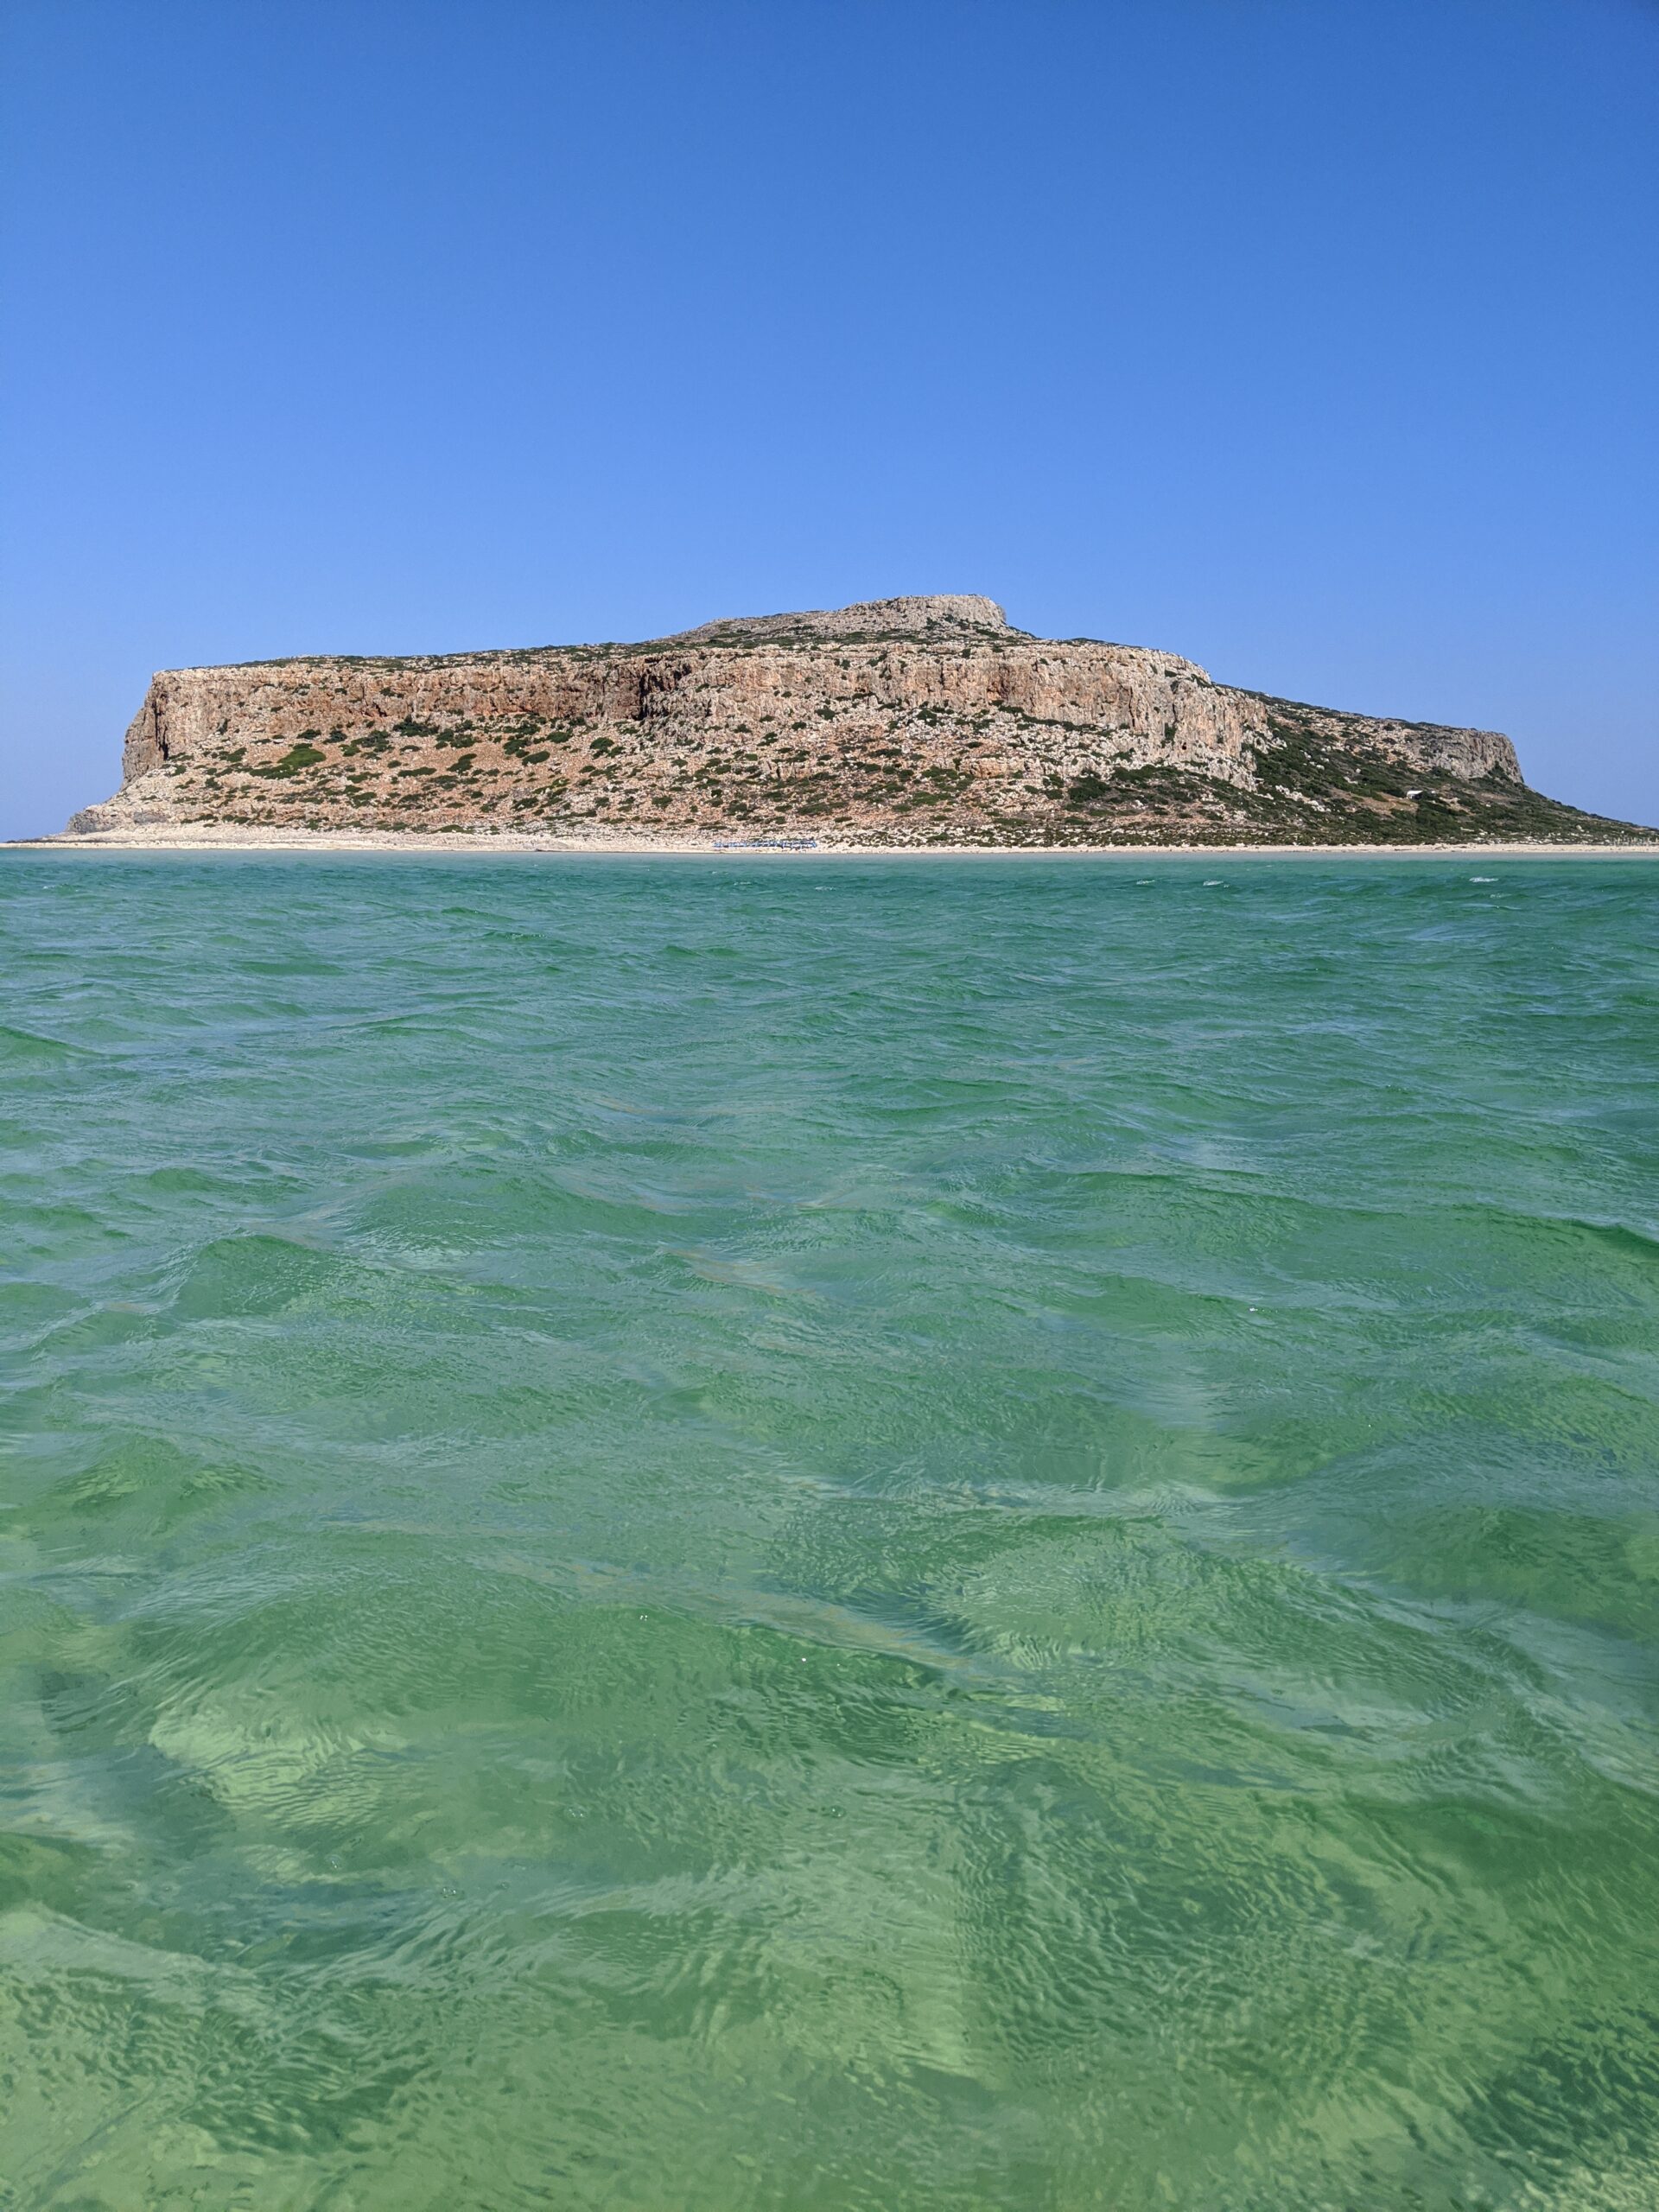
925, 720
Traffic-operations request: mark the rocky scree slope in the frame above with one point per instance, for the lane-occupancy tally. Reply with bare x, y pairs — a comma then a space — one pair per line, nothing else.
900, 721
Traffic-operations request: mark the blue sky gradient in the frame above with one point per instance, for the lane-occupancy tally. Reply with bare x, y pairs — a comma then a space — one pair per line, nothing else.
1315, 339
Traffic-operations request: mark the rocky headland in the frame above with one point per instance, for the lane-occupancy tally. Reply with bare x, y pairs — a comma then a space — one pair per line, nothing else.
899, 723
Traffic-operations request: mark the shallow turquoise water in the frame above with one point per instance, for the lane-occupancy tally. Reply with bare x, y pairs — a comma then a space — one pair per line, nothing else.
815, 1534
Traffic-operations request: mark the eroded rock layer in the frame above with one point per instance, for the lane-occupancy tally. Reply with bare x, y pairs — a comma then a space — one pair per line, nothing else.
899, 721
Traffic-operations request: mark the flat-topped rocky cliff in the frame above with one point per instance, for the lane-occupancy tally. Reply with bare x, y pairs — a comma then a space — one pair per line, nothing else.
900, 721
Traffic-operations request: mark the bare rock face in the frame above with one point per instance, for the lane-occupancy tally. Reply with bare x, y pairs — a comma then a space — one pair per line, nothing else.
900, 721
946, 615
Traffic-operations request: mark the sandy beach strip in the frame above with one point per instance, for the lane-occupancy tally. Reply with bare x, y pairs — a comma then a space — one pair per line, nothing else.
206, 837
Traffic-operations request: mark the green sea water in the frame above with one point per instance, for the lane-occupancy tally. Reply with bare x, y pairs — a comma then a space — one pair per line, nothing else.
788, 1535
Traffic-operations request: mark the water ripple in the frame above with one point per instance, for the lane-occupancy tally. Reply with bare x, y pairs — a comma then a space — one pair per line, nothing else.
812, 1534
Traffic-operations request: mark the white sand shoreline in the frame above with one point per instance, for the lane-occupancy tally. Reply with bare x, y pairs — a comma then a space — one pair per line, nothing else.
244, 838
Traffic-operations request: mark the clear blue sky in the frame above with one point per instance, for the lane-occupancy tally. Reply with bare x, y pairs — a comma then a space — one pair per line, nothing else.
1316, 339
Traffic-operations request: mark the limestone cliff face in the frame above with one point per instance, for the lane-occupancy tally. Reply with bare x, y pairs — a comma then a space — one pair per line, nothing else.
903, 721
